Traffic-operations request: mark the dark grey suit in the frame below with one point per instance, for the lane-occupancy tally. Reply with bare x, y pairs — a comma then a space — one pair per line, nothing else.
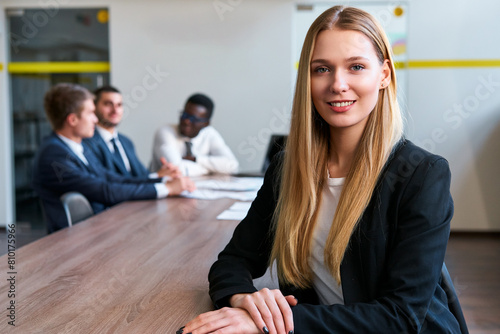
58, 170
107, 159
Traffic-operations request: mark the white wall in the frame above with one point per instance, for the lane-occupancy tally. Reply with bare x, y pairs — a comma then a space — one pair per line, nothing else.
456, 112
243, 59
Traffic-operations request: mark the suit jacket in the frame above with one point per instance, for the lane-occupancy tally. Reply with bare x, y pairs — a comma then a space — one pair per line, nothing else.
391, 272
58, 170
107, 159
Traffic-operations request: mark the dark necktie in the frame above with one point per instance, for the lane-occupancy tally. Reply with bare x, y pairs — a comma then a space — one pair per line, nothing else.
189, 152
117, 156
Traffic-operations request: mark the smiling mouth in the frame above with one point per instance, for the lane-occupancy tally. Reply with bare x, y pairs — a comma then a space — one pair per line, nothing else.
340, 104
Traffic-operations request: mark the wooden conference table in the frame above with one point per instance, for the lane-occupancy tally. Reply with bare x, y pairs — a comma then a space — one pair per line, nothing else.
140, 267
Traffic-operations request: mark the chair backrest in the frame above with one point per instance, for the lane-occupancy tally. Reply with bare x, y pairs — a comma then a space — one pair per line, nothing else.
276, 144
453, 303
76, 206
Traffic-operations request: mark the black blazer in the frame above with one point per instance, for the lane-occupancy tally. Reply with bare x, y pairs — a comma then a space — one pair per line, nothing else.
391, 272
102, 152
58, 170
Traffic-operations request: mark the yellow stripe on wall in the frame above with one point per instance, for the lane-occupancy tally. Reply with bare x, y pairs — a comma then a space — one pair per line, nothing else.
81, 67
58, 67
462, 63
1, 66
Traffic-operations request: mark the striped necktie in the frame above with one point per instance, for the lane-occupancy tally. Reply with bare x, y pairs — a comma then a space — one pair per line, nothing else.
189, 152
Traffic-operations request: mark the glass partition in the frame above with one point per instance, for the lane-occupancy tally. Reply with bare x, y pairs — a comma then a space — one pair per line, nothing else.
48, 46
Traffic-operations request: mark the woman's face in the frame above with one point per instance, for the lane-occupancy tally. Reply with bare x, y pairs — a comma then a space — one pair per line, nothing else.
346, 77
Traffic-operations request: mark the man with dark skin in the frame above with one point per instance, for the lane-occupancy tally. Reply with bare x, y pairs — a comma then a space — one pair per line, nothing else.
193, 145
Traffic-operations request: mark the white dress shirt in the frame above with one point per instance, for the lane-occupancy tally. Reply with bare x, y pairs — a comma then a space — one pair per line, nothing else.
211, 152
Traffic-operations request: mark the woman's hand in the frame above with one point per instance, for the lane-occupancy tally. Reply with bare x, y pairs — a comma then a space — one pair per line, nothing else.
227, 320
269, 309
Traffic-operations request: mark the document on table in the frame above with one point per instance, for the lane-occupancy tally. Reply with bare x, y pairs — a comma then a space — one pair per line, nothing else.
215, 194
237, 211
239, 188
234, 184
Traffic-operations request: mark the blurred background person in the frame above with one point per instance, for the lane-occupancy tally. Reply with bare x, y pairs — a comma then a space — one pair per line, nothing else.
193, 145
114, 150
65, 163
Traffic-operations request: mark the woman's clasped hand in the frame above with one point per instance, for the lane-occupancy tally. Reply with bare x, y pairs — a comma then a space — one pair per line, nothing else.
265, 311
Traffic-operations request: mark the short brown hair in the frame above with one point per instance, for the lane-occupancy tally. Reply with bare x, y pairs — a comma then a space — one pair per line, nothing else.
104, 89
64, 99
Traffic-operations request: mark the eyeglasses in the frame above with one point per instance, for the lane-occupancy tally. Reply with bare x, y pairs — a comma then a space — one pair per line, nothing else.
192, 119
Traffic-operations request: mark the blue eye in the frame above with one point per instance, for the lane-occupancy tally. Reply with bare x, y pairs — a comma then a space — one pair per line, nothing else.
321, 70
357, 67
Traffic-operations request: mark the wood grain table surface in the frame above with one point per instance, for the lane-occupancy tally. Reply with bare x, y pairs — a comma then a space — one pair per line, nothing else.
140, 267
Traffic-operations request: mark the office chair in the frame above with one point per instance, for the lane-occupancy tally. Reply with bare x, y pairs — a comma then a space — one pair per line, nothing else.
276, 144
453, 303
76, 206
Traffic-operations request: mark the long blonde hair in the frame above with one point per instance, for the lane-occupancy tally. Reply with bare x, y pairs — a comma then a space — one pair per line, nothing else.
304, 168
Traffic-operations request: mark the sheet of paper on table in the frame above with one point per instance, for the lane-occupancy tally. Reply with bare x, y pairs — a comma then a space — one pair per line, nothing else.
216, 194
237, 211
239, 188
233, 184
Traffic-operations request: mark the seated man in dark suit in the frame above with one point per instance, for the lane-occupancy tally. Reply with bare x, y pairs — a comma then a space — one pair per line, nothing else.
114, 150
64, 163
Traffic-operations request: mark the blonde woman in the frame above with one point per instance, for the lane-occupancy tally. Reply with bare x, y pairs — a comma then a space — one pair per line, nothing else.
355, 217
